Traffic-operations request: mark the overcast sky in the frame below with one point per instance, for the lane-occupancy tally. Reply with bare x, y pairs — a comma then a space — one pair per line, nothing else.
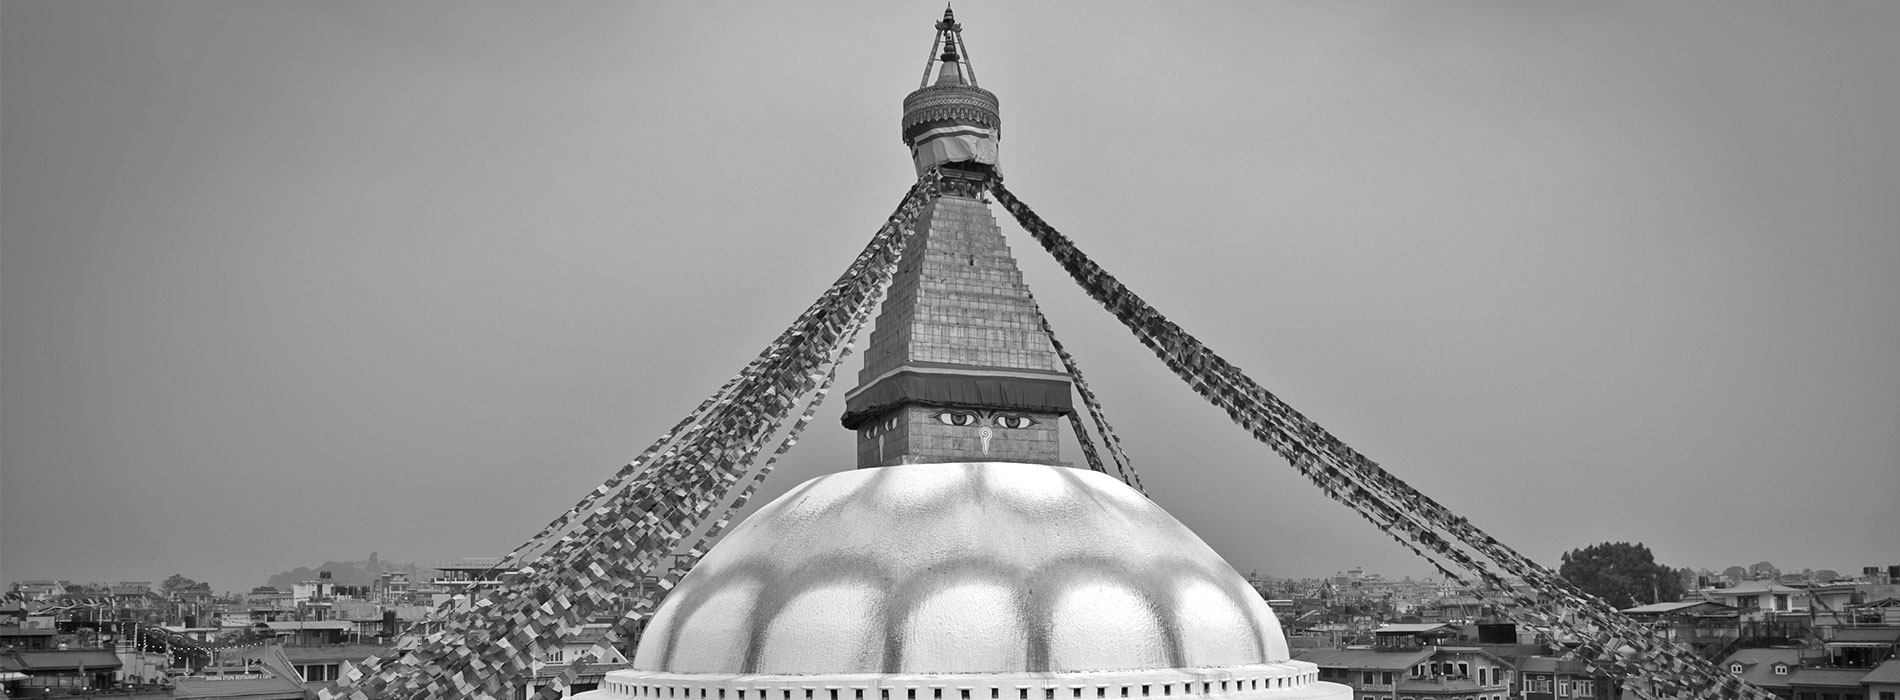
294, 282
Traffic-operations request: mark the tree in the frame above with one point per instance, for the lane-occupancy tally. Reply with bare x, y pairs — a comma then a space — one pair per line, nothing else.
177, 582
1735, 573
1622, 574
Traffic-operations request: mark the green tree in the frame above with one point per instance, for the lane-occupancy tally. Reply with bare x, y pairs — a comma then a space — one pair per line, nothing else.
1623, 574
177, 582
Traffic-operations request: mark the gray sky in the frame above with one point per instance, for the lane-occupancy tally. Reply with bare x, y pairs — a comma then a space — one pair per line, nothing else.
294, 282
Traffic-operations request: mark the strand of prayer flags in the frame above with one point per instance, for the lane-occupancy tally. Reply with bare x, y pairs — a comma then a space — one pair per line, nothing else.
1609, 642
600, 554
558, 688
1123, 467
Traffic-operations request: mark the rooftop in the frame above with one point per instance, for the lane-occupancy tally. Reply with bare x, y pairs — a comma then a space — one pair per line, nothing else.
52, 660
1888, 672
1366, 658
1758, 665
1841, 677
1546, 664
1878, 635
1678, 606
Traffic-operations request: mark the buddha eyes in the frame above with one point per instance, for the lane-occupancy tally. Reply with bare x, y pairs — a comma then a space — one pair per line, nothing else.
1013, 420
966, 419
957, 418
890, 424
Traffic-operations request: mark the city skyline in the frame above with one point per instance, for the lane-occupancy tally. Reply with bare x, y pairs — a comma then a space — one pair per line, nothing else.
294, 283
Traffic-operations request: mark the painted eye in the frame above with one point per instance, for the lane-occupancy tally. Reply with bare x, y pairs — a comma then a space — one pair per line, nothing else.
890, 423
957, 418
866, 434
1014, 420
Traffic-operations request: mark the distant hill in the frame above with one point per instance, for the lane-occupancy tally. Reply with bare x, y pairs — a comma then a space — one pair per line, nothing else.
345, 573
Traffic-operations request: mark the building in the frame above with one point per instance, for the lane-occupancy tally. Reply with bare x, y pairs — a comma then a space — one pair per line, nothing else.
1883, 683
1707, 627
1768, 669
35, 638
251, 673
316, 665
1828, 684
1756, 599
464, 576
1546, 678
1862, 647
556, 663
308, 632
59, 671
1414, 662
961, 561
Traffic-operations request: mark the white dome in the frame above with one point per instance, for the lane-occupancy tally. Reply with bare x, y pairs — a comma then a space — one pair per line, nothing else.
994, 568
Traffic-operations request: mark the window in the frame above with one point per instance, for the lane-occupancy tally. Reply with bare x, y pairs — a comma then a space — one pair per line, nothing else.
1781, 602
1385, 678
1365, 678
1735, 668
1886, 695
1781, 669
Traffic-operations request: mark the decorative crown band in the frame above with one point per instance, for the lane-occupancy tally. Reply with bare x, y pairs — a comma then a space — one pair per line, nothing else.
950, 102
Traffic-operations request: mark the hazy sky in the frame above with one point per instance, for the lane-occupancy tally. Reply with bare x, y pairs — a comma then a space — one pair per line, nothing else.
294, 282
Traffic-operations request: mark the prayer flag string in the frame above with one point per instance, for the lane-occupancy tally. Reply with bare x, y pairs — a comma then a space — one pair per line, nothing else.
1605, 640
604, 555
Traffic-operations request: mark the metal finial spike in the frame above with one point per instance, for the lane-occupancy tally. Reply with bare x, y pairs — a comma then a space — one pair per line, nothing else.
949, 23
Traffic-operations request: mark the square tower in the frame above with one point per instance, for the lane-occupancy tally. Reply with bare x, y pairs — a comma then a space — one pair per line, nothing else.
958, 368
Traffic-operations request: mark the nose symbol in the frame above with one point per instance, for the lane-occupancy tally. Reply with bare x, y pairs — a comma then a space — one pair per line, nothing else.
984, 434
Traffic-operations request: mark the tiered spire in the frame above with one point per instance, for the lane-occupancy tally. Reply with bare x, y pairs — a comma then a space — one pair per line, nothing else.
958, 368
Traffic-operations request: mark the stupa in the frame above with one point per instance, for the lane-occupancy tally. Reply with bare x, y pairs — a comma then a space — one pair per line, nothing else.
962, 560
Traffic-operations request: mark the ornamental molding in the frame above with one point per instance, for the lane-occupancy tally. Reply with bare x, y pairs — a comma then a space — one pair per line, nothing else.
950, 103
